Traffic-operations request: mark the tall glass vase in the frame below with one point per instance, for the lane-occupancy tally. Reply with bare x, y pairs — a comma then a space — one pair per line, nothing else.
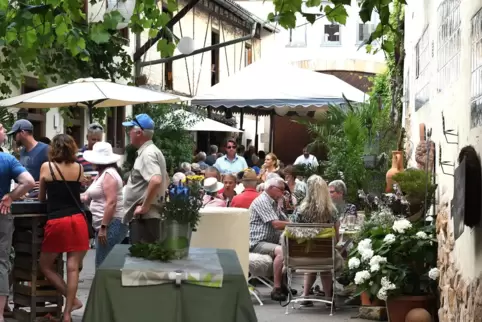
177, 238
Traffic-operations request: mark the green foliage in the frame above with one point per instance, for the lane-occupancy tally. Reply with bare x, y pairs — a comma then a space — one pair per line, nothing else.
306, 170
404, 258
53, 41
184, 202
285, 12
170, 135
417, 186
152, 251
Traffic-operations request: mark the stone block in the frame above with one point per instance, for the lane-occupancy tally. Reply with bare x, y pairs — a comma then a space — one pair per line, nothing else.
374, 313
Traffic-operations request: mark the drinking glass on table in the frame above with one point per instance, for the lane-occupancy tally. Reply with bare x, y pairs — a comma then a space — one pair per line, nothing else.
350, 222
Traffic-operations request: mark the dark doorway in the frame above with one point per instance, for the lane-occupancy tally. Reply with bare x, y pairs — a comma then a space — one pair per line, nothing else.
214, 58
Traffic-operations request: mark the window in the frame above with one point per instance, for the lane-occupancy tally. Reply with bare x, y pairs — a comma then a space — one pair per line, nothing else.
331, 35
214, 59
422, 61
298, 36
448, 51
248, 54
476, 79
115, 131
364, 30
168, 77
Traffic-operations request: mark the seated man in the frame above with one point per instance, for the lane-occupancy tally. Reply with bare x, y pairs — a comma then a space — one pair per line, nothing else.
267, 222
249, 194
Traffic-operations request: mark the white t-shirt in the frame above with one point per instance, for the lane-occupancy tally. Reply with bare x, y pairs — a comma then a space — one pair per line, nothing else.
310, 160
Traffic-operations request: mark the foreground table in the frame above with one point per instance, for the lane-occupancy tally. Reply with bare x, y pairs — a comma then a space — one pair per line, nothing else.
110, 301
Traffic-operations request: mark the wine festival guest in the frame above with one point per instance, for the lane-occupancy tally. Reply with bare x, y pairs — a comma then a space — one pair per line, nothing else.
211, 188
106, 200
10, 169
147, 184
245, 198
229, 183
231, 162
271, 165
66, 229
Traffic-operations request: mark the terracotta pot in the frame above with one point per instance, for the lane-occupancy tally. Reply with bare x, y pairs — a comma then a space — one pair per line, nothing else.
397, 166
365, 300
399, 306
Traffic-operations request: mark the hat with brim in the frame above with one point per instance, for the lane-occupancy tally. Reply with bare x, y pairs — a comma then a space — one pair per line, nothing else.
102, 154
250, 175
212, 185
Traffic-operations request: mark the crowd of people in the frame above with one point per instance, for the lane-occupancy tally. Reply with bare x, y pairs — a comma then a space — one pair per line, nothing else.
76, 183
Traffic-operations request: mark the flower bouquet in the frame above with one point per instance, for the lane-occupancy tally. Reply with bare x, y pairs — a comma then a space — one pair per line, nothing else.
395, 262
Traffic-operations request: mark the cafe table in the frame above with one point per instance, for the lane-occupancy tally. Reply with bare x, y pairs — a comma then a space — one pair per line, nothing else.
172, 301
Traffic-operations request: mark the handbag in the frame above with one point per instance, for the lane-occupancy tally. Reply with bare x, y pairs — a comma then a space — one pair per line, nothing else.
90, 229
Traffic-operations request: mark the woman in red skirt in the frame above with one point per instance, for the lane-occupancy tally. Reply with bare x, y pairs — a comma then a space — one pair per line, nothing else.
66, 229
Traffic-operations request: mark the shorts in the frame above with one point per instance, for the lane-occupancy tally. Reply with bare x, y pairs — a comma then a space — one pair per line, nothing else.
6, 232
265, 248
66, 234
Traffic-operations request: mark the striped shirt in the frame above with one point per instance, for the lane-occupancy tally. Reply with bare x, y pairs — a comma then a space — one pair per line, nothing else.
80, 159
264, 210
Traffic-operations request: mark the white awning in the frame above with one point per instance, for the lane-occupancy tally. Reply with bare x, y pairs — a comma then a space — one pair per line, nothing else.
197, 123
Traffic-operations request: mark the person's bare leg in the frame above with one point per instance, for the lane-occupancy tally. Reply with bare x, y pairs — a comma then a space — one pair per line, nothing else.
327, 283
46, 262
72, 303
278, 267
309, 280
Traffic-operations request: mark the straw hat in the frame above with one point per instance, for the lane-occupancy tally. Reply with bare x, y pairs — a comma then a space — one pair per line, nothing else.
101, 153
212, 185
250, 175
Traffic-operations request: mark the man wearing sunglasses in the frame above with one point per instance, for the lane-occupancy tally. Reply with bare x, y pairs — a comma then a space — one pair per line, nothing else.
10, 169
231, 162
147, 183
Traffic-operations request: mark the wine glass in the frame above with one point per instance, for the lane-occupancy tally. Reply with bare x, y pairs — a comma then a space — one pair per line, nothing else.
350, 222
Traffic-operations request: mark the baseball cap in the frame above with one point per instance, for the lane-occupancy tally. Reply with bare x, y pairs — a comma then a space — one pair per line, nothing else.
21, 125
143, 121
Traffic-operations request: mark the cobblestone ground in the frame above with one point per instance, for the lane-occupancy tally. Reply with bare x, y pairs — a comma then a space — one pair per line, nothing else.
269, 312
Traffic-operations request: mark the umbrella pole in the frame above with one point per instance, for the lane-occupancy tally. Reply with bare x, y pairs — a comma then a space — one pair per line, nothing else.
91, 115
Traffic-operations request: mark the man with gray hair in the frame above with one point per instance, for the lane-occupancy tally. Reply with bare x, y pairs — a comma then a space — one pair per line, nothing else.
95, 132
267, 222
338, 194
147, 183
201, 160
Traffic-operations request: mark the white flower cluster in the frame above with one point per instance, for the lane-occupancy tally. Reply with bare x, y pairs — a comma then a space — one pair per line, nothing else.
434, 273
421, 235
353, 263
401, 225
361, 277
375, 262
365, 249
389, 239
386, 286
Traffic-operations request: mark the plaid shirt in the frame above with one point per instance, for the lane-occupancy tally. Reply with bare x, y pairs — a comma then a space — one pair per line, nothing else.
264, 210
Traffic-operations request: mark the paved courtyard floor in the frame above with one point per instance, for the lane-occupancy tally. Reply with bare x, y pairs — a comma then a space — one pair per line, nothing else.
269, 312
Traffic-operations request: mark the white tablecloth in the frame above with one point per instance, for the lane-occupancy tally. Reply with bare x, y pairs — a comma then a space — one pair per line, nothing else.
225, 228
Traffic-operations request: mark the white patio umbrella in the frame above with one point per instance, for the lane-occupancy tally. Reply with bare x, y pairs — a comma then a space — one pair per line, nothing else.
195, 123
89, 93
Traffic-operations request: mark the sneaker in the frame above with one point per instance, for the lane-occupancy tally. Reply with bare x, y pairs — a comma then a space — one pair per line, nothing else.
306, 304
278, 295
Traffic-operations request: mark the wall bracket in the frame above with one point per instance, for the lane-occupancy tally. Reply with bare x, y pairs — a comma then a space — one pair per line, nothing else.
443, 164
449, 132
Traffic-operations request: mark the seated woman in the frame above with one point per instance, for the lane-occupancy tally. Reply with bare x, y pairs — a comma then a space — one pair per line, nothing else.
229, 183
271, 165
317, 208
211, 188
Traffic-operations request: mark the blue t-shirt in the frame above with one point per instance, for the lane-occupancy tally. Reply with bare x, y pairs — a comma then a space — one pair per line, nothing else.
33, 160
10, 169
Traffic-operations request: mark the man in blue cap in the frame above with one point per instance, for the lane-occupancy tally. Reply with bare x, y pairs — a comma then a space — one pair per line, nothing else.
147, 184
10, 169
32, 153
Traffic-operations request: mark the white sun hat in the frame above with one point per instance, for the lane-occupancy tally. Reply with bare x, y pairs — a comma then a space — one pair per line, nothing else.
212, 185
101, 153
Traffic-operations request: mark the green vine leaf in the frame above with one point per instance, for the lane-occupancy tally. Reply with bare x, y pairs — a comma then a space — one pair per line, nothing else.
99, 34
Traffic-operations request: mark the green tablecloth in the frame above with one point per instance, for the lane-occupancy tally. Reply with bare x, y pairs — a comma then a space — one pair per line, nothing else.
109, 301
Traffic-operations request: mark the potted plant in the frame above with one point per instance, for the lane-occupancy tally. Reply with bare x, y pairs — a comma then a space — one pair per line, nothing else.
417, 188
181, 215
398, 265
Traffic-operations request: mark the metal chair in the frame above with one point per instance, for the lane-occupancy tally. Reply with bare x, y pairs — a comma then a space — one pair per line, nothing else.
316, 255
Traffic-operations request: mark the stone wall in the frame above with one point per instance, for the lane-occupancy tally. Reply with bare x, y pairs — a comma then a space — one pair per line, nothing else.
460, 299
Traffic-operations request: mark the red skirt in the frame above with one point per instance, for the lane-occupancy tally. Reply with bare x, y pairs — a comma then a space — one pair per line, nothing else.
66, 234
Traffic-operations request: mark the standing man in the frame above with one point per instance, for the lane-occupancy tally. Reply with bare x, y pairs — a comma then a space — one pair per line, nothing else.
213, 155
307, 159
147, 184
32, 153
231, 162
10, 169
95, 132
